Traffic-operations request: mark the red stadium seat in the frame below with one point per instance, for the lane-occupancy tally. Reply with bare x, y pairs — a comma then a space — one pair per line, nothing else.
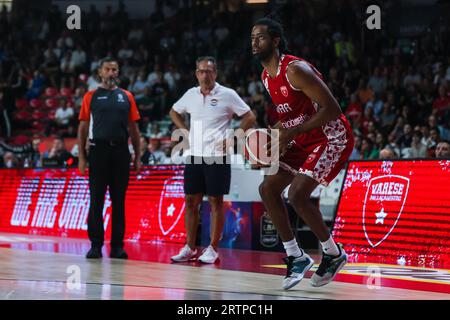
38, 126
21, 104
51, 103
21, 139
51, 115
50, 92
22, 116
71, 103
36, 103
83, 77
38, 115
65, 92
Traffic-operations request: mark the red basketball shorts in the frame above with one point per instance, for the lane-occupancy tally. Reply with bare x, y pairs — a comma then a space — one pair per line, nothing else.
321, 161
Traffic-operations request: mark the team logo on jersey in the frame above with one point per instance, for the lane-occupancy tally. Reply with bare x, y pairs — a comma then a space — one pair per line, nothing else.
284, 91
171, 204
214, 102
120, 98
383, 205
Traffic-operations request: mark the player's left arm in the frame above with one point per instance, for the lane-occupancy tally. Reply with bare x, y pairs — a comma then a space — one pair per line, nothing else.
302, 77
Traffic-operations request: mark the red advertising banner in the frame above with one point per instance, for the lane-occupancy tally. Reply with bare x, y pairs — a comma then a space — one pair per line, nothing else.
55, 202
396, 212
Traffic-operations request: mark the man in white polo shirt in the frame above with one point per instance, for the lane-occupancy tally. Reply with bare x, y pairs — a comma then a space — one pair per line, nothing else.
207, 172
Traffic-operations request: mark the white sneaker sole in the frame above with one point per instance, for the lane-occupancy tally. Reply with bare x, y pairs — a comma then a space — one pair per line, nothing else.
321, 284
207, 262
299, 276
183, 260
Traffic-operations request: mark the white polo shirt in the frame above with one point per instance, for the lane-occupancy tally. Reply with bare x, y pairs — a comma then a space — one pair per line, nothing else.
210, 117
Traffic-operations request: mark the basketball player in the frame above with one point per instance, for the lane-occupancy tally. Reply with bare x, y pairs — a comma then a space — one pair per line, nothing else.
315, 142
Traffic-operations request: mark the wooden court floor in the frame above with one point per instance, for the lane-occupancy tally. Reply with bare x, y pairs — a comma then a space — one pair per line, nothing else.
34, 267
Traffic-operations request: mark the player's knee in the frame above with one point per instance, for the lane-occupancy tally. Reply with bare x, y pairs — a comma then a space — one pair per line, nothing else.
267, 191
263, 190
297, 196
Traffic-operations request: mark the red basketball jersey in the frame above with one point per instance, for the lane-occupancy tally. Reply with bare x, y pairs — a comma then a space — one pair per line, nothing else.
293, 107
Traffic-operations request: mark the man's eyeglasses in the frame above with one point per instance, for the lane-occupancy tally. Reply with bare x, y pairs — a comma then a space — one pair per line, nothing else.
208, 71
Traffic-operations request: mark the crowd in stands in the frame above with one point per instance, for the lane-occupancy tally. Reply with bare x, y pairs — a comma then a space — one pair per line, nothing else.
395, 92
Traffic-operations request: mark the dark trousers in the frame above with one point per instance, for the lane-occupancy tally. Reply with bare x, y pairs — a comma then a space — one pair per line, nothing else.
109, 166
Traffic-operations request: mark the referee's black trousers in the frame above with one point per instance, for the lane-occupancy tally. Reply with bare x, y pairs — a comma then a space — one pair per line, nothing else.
109, 166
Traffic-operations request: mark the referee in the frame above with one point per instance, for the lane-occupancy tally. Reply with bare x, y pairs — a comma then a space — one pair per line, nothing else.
108, 116
211, 107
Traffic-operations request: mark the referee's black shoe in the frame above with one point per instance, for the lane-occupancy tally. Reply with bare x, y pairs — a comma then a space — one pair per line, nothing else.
118, 253
94, 253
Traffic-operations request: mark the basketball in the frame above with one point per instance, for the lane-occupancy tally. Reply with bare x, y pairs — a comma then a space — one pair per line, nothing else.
255, 148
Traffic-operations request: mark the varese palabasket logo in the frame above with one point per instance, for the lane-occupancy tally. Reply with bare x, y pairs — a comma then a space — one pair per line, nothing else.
383, 205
